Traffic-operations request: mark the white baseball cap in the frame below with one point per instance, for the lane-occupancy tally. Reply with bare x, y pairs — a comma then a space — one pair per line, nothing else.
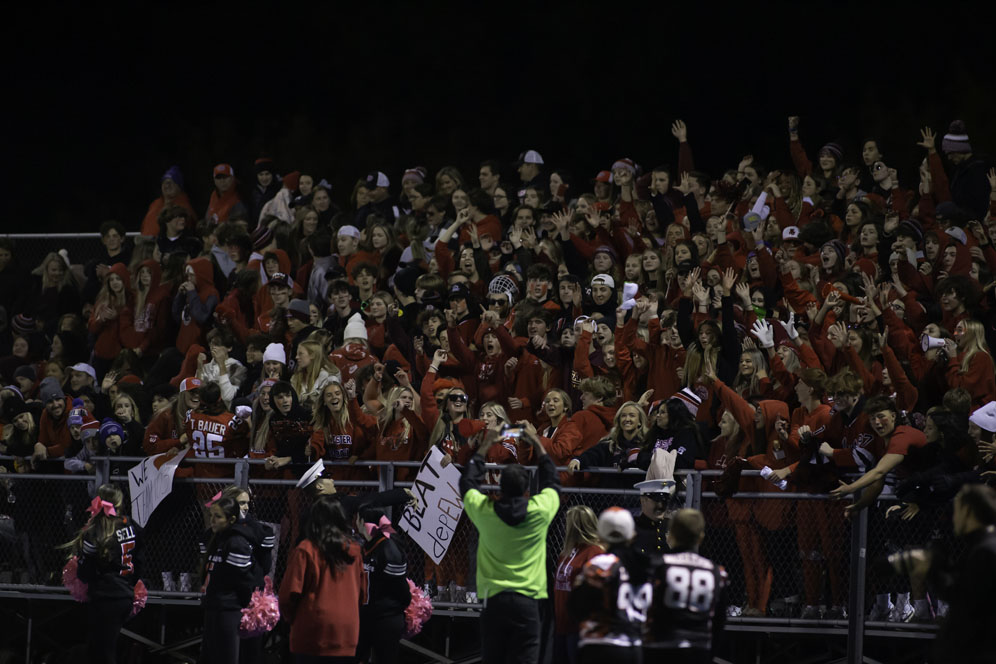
530, 157
616, 525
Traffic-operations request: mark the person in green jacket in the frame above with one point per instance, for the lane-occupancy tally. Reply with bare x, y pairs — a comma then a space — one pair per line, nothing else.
511, 550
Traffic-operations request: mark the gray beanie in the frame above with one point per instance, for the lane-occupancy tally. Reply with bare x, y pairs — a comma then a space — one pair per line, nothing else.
50, 390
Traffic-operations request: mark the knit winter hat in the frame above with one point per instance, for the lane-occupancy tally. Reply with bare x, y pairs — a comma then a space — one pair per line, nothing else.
275, 353
355, 328
911, 228
50, 390
23, 324
834, 150
26, 371
299, 309
691, 400
985, 417
173, 173
109, 427
261, 237
626, 164
264, 164
417, 174
841, 250
956, 140
78, 415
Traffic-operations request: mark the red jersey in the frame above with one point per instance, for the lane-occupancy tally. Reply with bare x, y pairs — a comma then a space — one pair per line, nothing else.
215, 437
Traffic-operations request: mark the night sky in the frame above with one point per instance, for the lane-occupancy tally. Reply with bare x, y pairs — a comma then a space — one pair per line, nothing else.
104, 102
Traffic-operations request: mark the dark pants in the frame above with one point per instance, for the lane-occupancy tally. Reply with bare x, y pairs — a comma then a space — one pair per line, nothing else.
251, 650
382, 636
510, 629
318, 659
104, 621
220, 644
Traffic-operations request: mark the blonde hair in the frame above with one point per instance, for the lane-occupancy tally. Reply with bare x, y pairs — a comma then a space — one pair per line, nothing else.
106, 296
42, 271
389, 413
303, 381
324, 419
134, 407
498, 410
975, 342
751, 386
615, 433
580, 528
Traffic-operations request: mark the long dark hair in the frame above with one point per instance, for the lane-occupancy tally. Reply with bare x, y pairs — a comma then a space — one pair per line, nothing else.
230, 508
327, 529
101, 524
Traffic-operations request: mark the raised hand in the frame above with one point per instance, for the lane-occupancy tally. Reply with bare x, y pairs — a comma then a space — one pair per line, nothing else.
793, 124
789, 327
679, 130
764, 333
439, 357
928, 140
685, 185
729, 278
700, 294
743, 292
991, 176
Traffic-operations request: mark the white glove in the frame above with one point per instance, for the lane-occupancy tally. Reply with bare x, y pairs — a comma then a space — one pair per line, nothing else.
629, 295
789, 327
764, 333
243, 412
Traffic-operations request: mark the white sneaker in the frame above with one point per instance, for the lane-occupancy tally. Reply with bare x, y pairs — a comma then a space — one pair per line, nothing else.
881, 613
901, 613
733, 611
169, 582
185, 584
942, 608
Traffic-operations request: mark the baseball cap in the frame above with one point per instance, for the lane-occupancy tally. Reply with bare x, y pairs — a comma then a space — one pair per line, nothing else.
985, 417
351, 231
279, 279
791, 233
604, 176
191, 383
376, 179
224, 169
603, 279
530, 157
616, 525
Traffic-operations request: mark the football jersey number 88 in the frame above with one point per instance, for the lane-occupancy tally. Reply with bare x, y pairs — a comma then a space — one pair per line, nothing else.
690, 589
207, 445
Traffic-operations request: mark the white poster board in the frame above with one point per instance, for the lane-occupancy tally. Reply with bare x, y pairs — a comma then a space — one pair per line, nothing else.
150, 482
431, 524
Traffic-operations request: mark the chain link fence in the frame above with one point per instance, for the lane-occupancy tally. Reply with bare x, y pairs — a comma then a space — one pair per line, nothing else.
790, 556
30, 249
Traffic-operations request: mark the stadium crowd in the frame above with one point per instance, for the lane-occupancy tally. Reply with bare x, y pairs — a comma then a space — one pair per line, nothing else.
828, 322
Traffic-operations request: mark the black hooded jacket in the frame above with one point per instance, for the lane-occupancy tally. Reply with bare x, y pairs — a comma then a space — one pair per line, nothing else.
291, 432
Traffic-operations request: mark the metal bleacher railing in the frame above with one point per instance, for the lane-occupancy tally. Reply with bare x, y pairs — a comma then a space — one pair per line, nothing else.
38, 512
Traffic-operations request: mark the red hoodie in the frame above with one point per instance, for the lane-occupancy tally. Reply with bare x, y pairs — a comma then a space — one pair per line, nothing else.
143, 330
108, 338
205, 299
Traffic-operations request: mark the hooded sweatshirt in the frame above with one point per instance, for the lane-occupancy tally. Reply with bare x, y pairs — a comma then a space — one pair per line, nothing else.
108, 338
141, 326
511, 529
193, 309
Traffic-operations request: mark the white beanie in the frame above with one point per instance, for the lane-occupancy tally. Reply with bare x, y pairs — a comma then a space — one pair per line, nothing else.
355, 328
275, 353
984, 417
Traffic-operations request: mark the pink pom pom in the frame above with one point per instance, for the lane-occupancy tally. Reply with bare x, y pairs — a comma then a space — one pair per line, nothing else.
418, 611
77, 588
262, 614
139, 598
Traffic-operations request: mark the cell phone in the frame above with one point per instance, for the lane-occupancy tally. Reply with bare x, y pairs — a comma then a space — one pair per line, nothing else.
512, 432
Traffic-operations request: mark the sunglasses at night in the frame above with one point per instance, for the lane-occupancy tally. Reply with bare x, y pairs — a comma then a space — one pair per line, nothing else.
458, 398
496, 303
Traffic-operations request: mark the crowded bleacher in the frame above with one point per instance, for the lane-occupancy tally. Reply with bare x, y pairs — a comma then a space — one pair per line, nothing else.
826, 320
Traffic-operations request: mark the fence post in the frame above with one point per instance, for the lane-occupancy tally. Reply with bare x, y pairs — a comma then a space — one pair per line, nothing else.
101, 472
856, 600
697, 491
242, 473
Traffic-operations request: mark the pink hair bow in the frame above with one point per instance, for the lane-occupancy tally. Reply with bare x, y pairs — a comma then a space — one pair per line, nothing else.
97, 505
215, 498
383, 527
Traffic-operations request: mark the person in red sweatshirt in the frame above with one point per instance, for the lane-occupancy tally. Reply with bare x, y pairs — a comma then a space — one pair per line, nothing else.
142, 324
899, 440
225, 198
114, 299
194, 303
171, 187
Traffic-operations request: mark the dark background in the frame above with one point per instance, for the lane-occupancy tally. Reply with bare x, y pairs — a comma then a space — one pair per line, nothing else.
103, 101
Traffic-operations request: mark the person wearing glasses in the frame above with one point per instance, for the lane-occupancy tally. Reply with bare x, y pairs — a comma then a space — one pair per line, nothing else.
445, 408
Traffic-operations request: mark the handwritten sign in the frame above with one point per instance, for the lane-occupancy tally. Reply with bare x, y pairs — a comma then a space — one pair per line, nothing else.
432, 523
150, 482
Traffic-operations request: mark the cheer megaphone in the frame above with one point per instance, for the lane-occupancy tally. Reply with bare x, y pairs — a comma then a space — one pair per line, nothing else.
927, 342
